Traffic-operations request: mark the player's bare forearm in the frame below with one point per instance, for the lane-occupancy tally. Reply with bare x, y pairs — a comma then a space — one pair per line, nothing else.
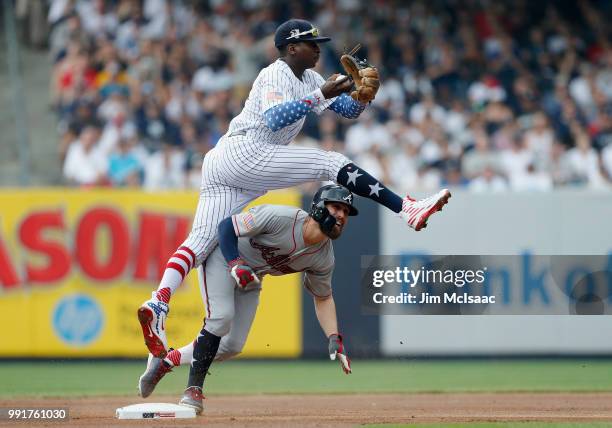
325, 308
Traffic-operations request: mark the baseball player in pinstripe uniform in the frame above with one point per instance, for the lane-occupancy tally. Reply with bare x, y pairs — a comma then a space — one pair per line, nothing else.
254, 156
267, 239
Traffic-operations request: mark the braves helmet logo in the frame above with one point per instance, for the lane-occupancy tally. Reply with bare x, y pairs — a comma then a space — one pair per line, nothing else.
348, 198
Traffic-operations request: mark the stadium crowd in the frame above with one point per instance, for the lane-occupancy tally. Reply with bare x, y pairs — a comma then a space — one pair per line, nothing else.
487, 95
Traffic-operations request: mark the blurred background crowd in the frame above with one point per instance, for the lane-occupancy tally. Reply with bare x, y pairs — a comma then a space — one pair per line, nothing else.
486, 95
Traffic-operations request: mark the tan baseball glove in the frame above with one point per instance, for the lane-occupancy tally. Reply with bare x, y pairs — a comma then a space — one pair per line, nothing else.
364, 75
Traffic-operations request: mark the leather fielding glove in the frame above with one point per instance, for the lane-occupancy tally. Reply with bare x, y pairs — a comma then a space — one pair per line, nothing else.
365, 77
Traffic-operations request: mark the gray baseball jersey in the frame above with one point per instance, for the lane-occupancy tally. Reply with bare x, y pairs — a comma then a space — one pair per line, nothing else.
271, 241
275, 246
251, 158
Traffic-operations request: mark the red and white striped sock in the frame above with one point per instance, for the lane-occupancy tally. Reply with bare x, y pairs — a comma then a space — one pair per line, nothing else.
179, 265
163, 295
180, 356
174, 358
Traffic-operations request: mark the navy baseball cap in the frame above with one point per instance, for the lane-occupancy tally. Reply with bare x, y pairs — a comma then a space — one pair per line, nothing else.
297, 30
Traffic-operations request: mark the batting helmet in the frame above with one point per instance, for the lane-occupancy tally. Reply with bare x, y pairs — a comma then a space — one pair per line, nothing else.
333, 193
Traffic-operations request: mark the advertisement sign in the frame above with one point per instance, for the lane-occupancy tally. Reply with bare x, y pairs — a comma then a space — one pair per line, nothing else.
547, 264
76, 264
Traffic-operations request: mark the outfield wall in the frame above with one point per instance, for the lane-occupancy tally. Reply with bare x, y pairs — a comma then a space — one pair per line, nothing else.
570, 223
76, 264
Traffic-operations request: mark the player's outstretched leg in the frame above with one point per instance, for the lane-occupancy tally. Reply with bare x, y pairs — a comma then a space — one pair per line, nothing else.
204, 350
152, 314
214, 205
281, 166
414, 213
156, 369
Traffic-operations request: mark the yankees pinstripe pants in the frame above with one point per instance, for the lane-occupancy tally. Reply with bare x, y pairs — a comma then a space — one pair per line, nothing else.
239, 170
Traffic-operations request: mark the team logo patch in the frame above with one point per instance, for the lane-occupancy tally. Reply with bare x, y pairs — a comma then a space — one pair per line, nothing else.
273, 96
249, 221
348, 198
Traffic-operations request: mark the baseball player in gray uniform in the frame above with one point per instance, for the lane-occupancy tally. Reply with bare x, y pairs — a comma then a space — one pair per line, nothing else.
254, 157
265, 240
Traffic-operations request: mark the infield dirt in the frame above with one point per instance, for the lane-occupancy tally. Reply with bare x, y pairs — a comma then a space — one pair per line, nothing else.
341, 410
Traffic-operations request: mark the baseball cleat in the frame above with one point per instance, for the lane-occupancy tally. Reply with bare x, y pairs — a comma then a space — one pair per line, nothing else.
152, 316
156, 370
193, 398
416, 213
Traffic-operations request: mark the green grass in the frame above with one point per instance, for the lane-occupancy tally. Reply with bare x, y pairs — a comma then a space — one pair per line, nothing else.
500, 425
311, 377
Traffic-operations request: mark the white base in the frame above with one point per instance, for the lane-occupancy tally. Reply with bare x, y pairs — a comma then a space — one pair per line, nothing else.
155, 411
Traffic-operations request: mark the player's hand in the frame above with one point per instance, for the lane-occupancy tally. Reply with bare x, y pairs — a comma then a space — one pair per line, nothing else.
336, 349
243, 274
332, 87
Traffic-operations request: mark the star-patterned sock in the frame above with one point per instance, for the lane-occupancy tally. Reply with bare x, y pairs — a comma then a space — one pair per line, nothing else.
363, 184
205, 348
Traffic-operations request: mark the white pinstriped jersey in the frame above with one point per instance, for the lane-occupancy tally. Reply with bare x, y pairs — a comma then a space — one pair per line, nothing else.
274, 85
251, 159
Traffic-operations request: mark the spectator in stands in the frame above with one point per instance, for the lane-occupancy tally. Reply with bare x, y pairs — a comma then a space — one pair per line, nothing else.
124, 166
365, 133
165, 169
475, 161
488, 181
515, 162
583, 162
85, 165
531, 180
459, 83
